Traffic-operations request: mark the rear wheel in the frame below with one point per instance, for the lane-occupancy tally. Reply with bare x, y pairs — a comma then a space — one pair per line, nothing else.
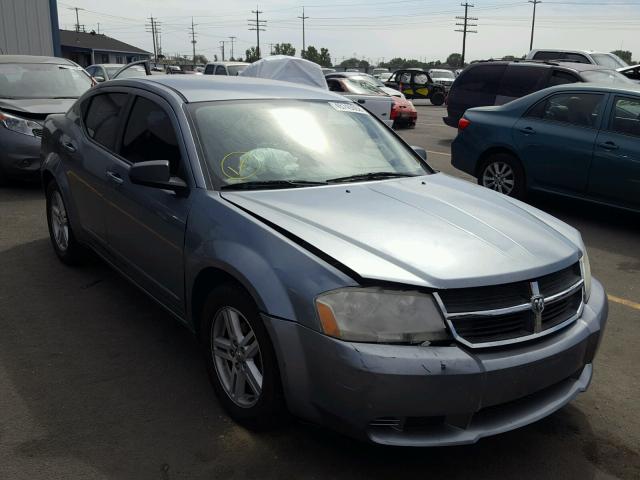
64, 243
503, 173
437, 99
241, 361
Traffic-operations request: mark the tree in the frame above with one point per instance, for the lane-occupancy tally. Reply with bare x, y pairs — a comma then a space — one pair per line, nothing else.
455, 60
624, 55
252, 55
355, 63
324, 58
201, 60
284, 49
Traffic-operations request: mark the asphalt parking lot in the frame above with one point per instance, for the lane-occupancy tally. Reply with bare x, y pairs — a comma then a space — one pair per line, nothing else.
96, 381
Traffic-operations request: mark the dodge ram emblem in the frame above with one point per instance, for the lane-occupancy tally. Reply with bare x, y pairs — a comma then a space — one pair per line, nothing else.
537, 304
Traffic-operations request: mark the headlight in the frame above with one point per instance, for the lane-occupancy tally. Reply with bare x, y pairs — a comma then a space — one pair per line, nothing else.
378, 315
586, 273
19, 125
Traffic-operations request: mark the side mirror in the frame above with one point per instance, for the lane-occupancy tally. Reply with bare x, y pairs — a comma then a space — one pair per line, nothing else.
420, 151
156, 174
99, 78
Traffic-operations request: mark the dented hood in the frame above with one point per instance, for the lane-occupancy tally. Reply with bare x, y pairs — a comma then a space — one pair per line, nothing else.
433, 231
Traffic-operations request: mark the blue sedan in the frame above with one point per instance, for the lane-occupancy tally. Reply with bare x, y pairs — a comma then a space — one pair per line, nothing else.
576, 140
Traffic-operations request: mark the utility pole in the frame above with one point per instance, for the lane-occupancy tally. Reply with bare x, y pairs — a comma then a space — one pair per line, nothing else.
271, 48
77, 17
193, 43
304, 45
222, 42
233, 39
257, 25
533, 21
98, 28
151, 27
465, 28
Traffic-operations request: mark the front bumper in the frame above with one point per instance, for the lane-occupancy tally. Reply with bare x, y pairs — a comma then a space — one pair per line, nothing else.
19, 155
434, 396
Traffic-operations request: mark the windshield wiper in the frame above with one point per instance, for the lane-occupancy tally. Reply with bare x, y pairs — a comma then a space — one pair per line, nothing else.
370, 176
268, 184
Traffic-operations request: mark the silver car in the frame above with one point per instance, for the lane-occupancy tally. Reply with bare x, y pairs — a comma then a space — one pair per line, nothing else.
327, 270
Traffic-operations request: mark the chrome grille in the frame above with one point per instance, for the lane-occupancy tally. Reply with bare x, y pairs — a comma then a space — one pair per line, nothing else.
514, 312
37, 132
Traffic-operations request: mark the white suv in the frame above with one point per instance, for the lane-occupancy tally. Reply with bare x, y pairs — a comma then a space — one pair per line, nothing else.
608, 60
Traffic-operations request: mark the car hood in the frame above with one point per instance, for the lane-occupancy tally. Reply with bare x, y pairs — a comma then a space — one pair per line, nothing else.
433, 231
37, 106
392, 91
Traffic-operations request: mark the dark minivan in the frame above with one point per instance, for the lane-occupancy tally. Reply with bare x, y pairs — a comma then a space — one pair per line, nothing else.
498, 82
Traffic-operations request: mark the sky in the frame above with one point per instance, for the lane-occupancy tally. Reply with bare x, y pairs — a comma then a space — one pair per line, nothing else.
376, 29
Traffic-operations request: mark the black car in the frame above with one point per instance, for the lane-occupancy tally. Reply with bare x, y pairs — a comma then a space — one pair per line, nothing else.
416, 84
499, 82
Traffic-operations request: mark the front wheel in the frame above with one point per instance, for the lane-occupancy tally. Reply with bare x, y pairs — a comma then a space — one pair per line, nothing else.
64, 243
503, 173
241, 361
437, 99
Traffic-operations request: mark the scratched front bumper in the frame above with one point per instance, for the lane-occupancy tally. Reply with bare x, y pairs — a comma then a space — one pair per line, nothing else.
439, 395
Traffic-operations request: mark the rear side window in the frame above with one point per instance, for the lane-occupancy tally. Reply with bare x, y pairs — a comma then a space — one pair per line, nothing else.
483, 78
420, 79
208, 70
580, 109
626, 116
220, 70
633, 74
519, 81
149, 135
102, 118
559, 77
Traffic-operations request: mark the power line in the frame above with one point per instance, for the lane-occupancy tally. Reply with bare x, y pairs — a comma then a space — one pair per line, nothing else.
258, 25
152, 27
533, 20
465, 27
77, 25
233, 39
303, 18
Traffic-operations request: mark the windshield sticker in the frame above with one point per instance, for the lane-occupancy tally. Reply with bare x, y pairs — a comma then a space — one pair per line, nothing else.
347, 107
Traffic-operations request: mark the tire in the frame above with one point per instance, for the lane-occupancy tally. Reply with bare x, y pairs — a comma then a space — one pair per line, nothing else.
226, 308
64, 243
503, 173
437, 99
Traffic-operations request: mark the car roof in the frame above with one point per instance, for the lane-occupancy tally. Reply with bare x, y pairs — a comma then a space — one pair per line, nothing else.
346, 74
228, 63
205, 88
567, 50
627, 88
35, 59
118, 65
578, 67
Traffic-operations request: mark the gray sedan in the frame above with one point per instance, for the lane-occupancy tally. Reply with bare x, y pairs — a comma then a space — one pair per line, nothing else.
326, 269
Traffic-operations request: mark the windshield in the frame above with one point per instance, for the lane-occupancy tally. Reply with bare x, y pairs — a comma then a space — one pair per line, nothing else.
42, 80
135, 71
236, 69
609, 60
442, 74
297, 141
362, 86
604, 76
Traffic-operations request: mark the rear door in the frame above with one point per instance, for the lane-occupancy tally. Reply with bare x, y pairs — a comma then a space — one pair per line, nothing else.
88, 156
615, 172
520, 80
146, 225
556, 137
420, 85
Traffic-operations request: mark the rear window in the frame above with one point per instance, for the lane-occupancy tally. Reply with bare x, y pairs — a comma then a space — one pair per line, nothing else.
481, 78
559, 77
520, 80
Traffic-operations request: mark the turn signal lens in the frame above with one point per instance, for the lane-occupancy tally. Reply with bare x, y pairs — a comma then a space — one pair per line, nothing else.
328, 320
463, 123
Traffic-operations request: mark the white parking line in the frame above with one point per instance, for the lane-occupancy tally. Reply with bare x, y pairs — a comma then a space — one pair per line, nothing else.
439, 153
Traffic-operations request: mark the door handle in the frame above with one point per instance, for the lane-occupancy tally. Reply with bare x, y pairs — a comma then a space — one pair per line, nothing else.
114, 177
69, 146
608, 145
361, 101
527, 130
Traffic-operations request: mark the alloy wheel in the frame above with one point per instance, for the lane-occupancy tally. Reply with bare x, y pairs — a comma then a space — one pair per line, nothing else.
237, 357
59, 221
499, 176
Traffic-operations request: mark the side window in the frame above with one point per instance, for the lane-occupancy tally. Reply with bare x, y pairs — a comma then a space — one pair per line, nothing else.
420, 79
149, 135
405, 77
91, 71
580, 109
626, 116
633, 74
102, 118
335, 86
575, 57
208, 70
482, 78
559, 77
520, 80
548, 56
393, 78
220, 70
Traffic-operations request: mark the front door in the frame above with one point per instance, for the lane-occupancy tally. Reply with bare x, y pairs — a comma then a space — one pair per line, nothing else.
615, 173
146, 226
555, 140
88, 155
420, 85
